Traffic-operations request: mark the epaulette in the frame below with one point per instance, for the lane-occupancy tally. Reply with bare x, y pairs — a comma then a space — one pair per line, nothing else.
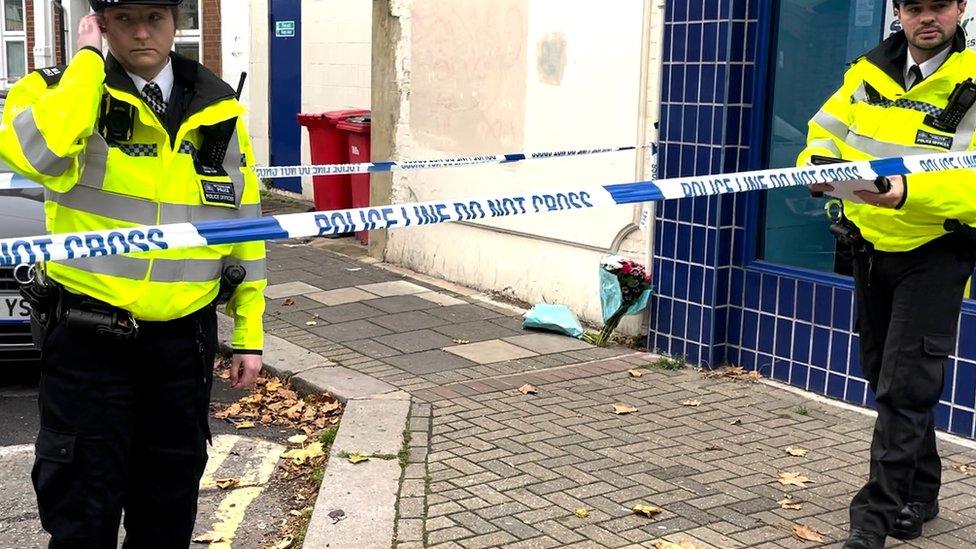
52, 75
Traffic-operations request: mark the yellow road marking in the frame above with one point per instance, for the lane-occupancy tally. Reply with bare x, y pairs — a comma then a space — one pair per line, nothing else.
230, 514
222, 445
260, 458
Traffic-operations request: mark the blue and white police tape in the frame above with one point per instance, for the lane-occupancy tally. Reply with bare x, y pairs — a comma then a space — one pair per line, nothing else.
277, 172
67, 246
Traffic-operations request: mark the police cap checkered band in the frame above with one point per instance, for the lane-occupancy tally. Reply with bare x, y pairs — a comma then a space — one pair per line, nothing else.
99, 5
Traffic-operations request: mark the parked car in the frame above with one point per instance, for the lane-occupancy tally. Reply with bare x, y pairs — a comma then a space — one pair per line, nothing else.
21, 214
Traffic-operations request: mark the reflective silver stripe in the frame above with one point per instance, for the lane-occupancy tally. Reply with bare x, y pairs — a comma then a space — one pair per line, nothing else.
96, 159
256, 269
180, 213
114, 265
186, 270
232, 165
826, 144
106, 204
35, 148
830, 123
965, 132
879, 149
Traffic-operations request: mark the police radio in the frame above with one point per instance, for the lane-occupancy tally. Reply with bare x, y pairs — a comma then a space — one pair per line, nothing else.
215, 140
960, 100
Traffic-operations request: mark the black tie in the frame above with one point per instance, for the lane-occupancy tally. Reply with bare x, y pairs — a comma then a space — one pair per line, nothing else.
915, 74
154, 98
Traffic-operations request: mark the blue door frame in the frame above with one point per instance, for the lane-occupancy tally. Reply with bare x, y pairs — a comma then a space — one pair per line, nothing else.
285, 87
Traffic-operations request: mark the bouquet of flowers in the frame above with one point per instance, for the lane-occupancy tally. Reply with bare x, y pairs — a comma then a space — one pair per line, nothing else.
625, 288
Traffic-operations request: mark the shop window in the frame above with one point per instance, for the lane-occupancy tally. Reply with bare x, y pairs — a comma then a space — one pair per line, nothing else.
815, 41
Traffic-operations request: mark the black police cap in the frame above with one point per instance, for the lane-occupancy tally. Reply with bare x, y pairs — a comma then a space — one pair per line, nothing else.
99, 5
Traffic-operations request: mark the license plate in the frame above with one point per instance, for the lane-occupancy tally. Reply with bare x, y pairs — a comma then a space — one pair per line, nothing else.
13, 309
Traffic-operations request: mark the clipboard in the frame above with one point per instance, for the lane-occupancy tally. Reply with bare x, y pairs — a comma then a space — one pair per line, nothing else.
845, 189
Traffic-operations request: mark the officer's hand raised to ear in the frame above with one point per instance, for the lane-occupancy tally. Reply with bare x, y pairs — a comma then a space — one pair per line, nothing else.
90, 32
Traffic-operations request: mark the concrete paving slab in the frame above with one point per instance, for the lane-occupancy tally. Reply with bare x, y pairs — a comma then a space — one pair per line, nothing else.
479, 330
356, 505
441, 299
486, 352
340, 382
545, 344
342, 296
362, 498
289, 289
414, 342
348, 331
372, 426
429, 362
396, 287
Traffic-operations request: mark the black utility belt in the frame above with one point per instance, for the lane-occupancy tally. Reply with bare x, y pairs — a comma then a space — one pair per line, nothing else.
84, 314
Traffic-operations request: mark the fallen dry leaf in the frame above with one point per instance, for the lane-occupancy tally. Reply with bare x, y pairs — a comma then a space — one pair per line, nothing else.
298, 439
646, 510
295, 513
621, 409
793, 479
461, 341
736, 422
303, 455
527, 389
226, 483
790, 504
288, 302
968, 469
357, 457
284, 543
796, 451
635, 373
683, 544
713, 447
693, 403
244, 425
582, 512
209, 537
273, 385
736, 373
805, 533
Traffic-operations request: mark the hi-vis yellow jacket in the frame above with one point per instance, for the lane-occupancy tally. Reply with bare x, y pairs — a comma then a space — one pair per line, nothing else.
52, 132
873, 116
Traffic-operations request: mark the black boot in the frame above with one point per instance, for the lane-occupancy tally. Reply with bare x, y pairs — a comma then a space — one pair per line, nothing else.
863, 539
908, 523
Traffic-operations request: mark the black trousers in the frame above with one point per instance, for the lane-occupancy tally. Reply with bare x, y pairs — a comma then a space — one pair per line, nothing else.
908, 305
124, 426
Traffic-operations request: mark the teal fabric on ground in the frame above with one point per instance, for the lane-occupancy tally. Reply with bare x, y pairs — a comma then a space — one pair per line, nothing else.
554, 318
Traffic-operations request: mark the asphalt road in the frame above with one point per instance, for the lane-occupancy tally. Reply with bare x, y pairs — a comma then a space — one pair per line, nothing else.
242, 516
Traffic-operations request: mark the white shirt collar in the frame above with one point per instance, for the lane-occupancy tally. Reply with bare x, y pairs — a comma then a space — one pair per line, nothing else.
927, 67
164, 80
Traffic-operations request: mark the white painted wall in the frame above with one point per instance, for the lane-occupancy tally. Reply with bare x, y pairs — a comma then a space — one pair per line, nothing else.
257, 77
490, 76
336, 60
235, 43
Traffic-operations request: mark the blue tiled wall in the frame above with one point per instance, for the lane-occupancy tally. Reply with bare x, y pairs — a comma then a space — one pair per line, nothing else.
715, 304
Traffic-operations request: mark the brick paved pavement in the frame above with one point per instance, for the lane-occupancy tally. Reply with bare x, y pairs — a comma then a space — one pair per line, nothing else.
490, 467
